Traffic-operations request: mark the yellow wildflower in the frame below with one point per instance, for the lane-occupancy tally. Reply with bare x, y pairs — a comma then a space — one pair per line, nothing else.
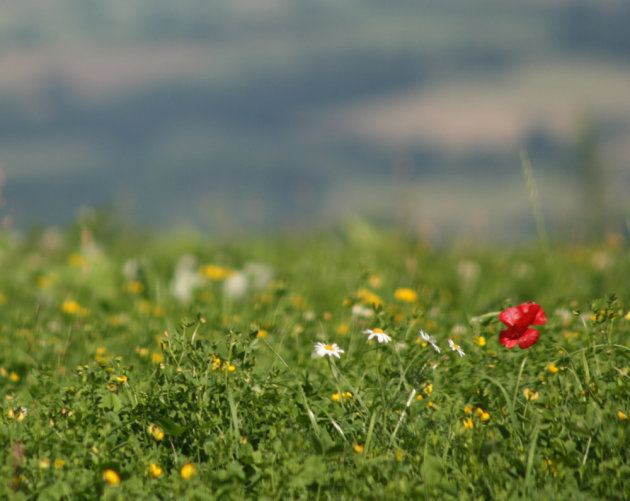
122, 379
157, 432
399, 454
468, 409
216, 362
479, 340
622, 415
59, 463
187, 471
133, 287
468, 423
336, 397
111, 477
369, 298
262, 333
342, 329
14, 376
530, 395
406, 295
154, 470
71, 307
77, 260
44, 463
552, 368
157, 358
358, 448
428, 389
216, 273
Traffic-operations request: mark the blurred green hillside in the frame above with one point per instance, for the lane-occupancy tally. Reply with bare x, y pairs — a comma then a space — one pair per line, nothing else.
254, 115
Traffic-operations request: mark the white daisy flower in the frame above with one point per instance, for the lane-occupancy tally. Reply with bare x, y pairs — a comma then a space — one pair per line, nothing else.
379, 334
330, 349
456, 347
431, 340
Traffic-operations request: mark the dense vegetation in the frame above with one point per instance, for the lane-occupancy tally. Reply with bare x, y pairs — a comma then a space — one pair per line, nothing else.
171, 367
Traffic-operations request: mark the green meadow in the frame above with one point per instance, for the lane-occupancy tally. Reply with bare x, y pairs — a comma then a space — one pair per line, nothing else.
177, 367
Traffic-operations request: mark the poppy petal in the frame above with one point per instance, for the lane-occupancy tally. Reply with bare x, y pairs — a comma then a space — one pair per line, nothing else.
507, 339
529, 337
540, 317
510, 316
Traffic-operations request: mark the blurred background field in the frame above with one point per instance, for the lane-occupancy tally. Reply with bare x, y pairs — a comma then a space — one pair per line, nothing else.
248, 116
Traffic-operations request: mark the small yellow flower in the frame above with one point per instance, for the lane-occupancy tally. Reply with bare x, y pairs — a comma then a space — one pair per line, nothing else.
122, 379
468, 409
231, 368
216, 273
399, 454
111, 477
484, 416
468, 423
216, 362
59, 463
14, 376
157, 358
187, 471
530, 395
133, 287
77, 260
369, 298
154, 470
358, 448
262, 333
157, 432
622, 415
44, 463
428, 389
336, 397
419, 397
71, 307
406, 295
479, 340
343, 329
552, 368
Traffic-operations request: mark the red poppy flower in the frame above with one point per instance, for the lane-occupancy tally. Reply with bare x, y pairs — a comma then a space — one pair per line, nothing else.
518, 320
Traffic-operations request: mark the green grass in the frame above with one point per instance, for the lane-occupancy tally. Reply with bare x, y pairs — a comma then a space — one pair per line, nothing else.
128, 376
